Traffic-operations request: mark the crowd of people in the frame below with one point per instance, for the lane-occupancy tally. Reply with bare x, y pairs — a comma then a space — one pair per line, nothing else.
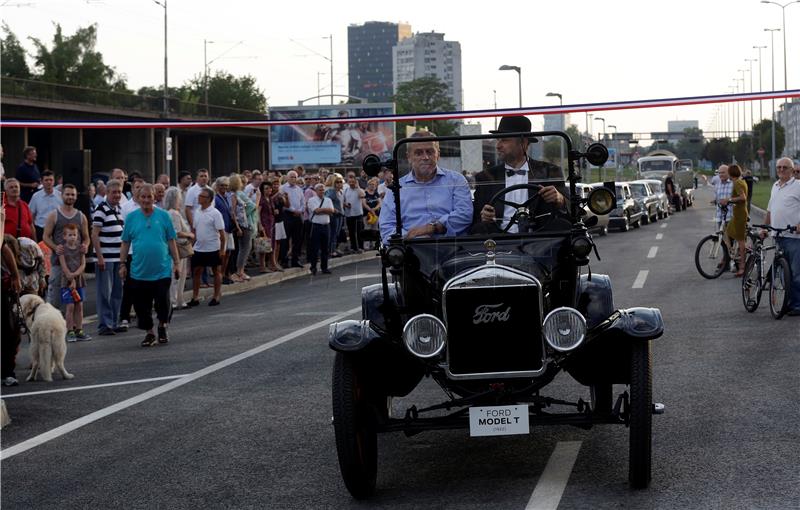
146, 239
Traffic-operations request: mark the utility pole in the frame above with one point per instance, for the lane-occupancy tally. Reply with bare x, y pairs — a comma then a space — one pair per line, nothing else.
760, 88
772, 116
331, 60
165, 113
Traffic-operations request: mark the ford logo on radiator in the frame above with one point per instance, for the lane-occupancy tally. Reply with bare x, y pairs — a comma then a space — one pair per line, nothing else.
486, 314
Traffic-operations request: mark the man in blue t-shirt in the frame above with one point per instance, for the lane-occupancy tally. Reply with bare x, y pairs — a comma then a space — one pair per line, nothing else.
28, 174
149, 230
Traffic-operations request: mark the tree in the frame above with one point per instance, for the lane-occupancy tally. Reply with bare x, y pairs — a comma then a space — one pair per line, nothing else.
718, 151
743, 149
73, 60
763, 138
691, 145
12, 56
224, 89
575, 137
425, 95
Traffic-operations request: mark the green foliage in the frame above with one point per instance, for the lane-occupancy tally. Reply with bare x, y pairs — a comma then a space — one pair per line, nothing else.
73, 60
691, 146
12, 56
224, 89
763, 138
574, 136
744, 150
425, 95
718, 151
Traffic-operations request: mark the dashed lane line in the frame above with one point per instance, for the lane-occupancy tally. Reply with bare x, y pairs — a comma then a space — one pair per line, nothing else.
177, 383
640, 279
659, 237
358, 277
652, 253
93, 386
555, 476
664, 225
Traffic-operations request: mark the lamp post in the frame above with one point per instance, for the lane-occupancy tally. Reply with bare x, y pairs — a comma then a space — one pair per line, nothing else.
783, 14
167, 155
750, 61
736, 106
772, 116
331, 61
561, 124
519, 77
205, 71
494, 93
604, 137
744, 105
731, 111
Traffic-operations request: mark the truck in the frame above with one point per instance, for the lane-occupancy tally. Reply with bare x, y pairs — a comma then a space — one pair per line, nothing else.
659, 164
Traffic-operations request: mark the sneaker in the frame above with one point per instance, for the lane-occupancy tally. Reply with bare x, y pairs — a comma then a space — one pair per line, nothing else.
104, 331
82, 336
149, 340
122, 328
10, 381
71, 337
162, 335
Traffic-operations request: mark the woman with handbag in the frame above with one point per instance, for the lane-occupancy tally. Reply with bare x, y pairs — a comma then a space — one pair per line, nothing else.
173, 203
278, 204
266, 212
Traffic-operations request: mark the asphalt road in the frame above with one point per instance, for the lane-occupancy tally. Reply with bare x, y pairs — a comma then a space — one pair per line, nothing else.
254, 431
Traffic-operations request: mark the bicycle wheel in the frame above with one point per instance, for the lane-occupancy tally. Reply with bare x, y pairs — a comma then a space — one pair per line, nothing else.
711, 257
751, 284
780, 283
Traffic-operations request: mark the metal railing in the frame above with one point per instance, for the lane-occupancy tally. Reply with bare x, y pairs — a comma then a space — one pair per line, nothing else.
69, 94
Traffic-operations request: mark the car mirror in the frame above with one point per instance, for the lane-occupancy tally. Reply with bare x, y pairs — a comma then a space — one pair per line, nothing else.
373, 165
597, 154
601, 201
591, 221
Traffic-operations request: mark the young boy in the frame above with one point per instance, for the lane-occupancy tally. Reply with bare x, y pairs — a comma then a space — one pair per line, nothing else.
73, 263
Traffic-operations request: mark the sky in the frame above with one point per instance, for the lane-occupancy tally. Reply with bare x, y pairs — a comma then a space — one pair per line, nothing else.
588, 51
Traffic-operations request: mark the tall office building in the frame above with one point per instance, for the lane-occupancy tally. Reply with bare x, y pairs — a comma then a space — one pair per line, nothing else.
369, 51
428, 54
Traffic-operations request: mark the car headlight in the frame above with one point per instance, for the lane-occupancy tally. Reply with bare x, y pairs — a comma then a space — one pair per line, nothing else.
424, 336
564, 329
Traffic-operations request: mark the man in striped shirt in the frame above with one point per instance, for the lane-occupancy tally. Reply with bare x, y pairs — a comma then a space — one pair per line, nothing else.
107, 226
722, 193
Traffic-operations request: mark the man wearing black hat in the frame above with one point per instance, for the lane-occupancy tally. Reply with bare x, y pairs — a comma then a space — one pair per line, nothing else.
516, 168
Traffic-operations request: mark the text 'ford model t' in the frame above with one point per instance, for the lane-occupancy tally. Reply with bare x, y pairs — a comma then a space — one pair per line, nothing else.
492, 316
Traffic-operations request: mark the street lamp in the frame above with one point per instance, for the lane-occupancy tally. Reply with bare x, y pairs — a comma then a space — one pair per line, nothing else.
744, 106
783, 13
519, 73
331, 61
750, 61
772, 116
167, 155
760, 89
209, 62
731, 111
604, 126
561, 124
737, 129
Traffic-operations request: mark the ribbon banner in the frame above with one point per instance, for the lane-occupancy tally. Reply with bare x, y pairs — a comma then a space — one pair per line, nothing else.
469, 114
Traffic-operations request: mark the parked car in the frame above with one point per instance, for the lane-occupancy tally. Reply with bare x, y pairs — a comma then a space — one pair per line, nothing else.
492, 319
657, 187
685, 179
602, 219
627, 213
646, 199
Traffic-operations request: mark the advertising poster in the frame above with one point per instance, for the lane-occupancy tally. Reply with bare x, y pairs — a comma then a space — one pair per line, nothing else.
340, 143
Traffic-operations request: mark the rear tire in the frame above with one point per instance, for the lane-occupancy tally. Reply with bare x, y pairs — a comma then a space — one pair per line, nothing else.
354, 424
751, 284
641, 416
780, 285
708, 265
645, 219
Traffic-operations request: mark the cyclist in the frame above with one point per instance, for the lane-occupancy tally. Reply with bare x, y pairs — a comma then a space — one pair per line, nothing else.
783, 210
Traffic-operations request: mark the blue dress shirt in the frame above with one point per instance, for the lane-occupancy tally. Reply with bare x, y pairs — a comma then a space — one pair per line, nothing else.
444, 199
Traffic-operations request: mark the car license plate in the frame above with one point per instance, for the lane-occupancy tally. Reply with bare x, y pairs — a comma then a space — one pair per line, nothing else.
498, 420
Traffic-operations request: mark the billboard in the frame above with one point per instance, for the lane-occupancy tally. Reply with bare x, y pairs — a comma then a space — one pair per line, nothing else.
340, 143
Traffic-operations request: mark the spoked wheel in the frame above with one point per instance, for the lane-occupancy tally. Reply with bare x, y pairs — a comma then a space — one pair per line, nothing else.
711, 257
780, 283
354, 423
641, 416
751, 285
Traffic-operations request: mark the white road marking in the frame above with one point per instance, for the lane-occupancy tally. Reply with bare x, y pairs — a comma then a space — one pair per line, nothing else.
357, 277
640, 279
652, 253
92, 386
553, 480
664, 225
120, 406
659, 237
311, 314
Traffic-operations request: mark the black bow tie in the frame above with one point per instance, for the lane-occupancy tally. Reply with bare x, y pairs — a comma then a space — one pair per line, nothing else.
511, 173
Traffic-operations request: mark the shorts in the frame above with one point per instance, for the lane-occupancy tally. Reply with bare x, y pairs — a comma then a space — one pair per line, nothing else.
206, 259
66, 295
280, 231
229, 243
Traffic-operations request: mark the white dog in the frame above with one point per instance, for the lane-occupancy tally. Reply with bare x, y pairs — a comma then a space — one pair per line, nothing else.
48, 330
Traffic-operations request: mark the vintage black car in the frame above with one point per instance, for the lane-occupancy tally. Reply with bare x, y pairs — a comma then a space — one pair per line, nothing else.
647, 200
492, 319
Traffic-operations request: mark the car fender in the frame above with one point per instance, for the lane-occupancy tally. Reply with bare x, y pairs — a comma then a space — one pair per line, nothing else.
372, 305
351, 335
595, 298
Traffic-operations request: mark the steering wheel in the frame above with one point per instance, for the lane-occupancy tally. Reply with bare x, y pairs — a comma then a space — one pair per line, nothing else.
523, 214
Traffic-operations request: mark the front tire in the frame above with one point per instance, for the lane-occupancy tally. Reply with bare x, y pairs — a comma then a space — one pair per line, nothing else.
354, 424
711, 258
780, 283
641, 416
751, 284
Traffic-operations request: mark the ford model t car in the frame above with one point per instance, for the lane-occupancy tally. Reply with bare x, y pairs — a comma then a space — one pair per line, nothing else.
492, 318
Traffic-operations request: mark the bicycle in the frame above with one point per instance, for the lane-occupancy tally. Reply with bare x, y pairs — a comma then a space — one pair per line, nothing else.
778, 277
713, 250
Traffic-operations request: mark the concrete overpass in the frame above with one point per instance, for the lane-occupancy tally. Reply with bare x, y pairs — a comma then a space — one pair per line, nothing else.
221, 150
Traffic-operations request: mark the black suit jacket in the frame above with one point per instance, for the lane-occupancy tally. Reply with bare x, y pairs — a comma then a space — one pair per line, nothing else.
492, 180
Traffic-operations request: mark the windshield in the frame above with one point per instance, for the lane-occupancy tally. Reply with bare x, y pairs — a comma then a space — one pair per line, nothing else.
656, 187
661, 165
639, 190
